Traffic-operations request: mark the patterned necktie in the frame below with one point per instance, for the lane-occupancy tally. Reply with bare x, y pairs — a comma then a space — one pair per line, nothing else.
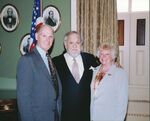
53, 74
75, 71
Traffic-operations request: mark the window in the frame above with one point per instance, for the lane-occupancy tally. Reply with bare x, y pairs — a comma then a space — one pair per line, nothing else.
132, 5
122, 5
140, 5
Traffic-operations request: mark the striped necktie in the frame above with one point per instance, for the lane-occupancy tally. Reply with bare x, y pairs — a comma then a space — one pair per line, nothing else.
53, 74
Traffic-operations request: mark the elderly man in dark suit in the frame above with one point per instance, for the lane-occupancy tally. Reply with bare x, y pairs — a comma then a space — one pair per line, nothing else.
74, 70
38, 87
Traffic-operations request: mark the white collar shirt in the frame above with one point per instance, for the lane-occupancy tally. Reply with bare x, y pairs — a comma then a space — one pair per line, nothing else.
69, 61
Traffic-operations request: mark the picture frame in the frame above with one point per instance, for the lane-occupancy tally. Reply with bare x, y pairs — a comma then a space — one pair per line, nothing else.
9, 17
52, 17
25, 44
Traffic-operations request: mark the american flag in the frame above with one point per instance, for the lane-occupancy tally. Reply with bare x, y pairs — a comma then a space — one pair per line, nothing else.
35, 14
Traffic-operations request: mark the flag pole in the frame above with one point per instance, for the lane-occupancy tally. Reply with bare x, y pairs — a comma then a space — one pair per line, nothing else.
41, 6
36, 13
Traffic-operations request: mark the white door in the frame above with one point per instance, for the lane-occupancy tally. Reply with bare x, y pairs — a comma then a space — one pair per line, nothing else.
134, 56
139, 53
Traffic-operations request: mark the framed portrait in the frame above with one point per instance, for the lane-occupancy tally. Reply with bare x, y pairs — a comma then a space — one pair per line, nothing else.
52, 17
9, 17
25, 44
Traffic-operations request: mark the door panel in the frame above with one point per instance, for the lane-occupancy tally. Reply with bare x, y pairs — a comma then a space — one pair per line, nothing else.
140, 63
124, 49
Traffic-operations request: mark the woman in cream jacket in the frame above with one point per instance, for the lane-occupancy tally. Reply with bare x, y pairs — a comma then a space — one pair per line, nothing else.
109, 88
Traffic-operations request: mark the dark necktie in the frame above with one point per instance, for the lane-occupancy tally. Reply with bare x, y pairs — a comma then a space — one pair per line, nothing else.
53, 74
55, 83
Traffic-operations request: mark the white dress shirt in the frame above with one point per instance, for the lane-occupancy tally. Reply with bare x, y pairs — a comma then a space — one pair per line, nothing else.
69, 61
109, 99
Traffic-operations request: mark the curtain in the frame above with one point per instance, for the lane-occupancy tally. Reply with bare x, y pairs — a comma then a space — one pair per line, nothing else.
97, 23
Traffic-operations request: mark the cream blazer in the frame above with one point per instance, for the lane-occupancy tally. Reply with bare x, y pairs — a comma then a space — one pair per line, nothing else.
109, 100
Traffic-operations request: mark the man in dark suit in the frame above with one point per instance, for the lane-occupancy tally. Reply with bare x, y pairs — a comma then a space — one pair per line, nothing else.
75, 92
38, 96
9, 19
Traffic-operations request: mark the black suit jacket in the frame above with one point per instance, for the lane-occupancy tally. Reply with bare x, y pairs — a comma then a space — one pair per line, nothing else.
35, 91
9, 21
75, 97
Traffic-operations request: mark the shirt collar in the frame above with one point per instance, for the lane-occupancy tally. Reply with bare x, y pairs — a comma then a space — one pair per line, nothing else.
41, 51
71, 58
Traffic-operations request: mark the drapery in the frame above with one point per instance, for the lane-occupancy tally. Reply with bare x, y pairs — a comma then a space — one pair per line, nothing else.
97, 23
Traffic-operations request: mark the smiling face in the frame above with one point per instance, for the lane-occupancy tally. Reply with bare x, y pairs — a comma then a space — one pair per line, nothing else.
45, 37
107, 54
73, 44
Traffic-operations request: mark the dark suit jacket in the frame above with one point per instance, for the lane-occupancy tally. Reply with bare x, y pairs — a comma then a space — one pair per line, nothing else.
50, 21
35, 92
75, 97
9, 21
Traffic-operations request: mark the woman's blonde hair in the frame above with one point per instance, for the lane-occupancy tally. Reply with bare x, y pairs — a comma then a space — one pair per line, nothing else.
111, 47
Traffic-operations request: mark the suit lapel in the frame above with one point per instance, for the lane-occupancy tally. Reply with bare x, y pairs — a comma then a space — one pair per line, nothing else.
37, 59
84, 65
65, 65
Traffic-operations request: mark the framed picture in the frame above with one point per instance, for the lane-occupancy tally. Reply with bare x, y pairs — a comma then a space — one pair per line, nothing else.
52, 17
9, 17
25, 44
